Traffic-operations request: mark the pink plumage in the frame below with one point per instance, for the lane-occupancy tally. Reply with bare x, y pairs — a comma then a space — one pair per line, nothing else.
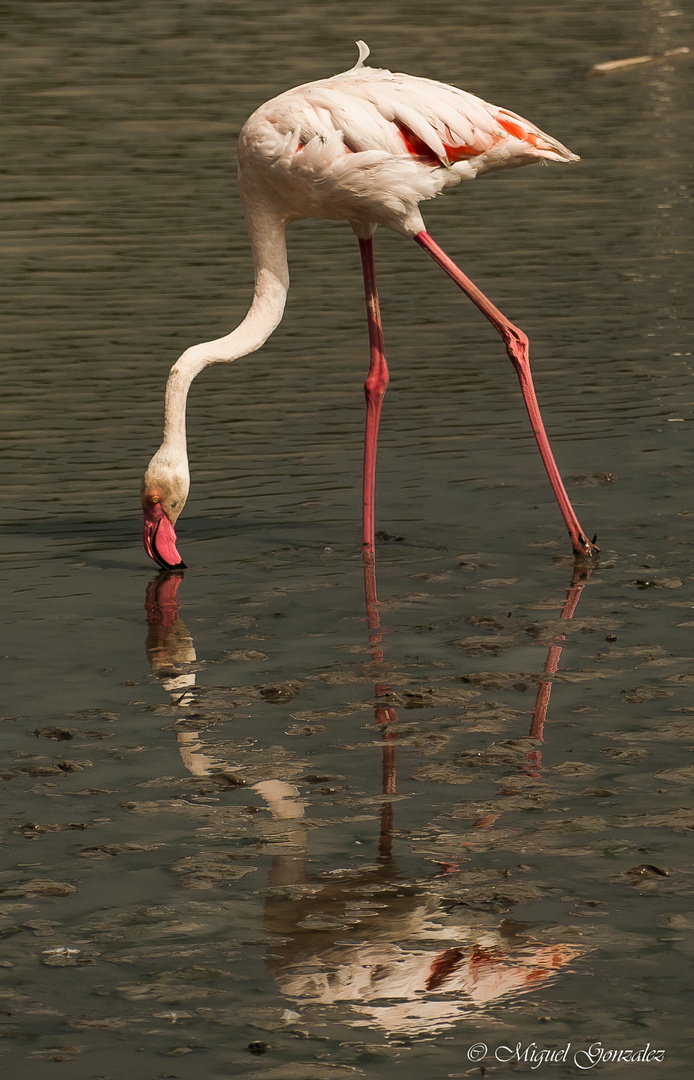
367, 146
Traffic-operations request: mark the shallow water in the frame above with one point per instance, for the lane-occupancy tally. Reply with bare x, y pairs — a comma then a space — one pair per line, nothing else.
251, 826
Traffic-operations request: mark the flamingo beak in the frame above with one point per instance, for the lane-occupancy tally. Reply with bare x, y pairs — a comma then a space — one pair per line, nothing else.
159, 538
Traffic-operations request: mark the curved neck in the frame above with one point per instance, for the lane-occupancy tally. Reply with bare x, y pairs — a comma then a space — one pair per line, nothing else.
267, 234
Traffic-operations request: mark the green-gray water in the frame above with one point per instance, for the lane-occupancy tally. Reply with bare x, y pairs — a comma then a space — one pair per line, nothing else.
198, 853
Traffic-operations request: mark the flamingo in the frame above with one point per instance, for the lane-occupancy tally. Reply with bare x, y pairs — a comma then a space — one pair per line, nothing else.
367, 146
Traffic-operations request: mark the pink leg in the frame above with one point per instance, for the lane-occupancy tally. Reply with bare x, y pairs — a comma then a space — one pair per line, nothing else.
374, 389
517, 349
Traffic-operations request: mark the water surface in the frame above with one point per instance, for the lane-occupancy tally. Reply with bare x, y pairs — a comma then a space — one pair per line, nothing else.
253, 827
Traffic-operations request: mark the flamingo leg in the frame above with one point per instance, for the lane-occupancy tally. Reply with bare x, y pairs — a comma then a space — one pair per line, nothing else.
374, 390
516, 343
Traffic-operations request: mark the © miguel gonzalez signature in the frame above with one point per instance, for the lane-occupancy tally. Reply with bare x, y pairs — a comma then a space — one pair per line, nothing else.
595, 1054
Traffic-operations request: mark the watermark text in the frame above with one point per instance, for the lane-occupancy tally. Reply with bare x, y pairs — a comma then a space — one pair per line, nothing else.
583, 1057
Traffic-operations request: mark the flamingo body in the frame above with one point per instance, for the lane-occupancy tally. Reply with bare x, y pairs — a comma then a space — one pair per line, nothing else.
366, 146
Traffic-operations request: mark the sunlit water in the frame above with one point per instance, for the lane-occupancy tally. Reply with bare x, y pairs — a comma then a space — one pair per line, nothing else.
251, 827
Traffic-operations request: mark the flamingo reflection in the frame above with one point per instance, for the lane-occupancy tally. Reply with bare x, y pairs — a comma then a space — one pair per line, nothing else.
390, 953
581, 573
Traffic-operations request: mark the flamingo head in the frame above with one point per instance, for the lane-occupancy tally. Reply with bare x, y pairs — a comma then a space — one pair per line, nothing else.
164, 493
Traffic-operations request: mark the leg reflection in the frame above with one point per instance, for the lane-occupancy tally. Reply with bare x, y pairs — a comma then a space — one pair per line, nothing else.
387, 951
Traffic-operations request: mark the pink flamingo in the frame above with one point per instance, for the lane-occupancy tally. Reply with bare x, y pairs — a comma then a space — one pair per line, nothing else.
366, 146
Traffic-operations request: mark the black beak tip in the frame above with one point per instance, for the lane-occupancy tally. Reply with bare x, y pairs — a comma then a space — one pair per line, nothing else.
171, 566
